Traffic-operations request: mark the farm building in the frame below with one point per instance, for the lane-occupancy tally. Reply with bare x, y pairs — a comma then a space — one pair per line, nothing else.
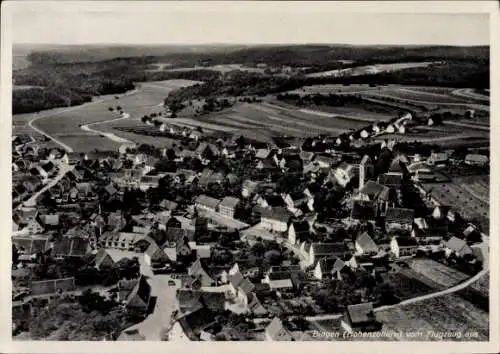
320, 250
457, 247
331, 267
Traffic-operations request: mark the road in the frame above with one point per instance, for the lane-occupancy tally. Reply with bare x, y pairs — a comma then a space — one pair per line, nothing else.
469, 93
153, 325
69, 109
110, 136
63, 169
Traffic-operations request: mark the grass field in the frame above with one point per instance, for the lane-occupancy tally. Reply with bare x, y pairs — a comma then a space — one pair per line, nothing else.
462, 196
437, 272
223, 68
64, 123
422, 321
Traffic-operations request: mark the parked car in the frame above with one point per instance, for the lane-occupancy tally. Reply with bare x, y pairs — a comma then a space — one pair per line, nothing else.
171, 283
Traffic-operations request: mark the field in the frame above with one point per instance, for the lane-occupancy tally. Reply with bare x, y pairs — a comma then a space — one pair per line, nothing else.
437, 272
470, 196
423, 321
370, 69
222, 68
64, 124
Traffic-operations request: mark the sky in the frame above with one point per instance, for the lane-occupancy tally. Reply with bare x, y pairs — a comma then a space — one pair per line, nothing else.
258, 23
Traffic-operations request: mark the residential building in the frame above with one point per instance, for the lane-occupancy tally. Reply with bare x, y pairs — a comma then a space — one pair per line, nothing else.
365, 245
196, 269
135, 293
228, 206
438, 159
399, 219
345, 172
403, 246
457, 247
360, 318
103, 260
275, 219
205, 203
276, 331
299, 231
319, 250
329, 268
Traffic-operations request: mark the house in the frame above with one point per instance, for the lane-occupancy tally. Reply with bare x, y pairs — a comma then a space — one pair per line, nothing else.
438, 159
31, 245
200, 251
365, 245
295, 200
399, 219
275, 219
135, 294
325, 161
102, 259
363, 211
71, 247
276, 331
403, 246
331, 267
196, 269
240, 287
360, 318
457, 247
228, 206
155, 257
306, 156
49, 220
72, 158
205, 203
125, 148
208, 177
255, 307
207, 151
270, 201
299, 231
120, 240
192, 325
319, 250
476, 160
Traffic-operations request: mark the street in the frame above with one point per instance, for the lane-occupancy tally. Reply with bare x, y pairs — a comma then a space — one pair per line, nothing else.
165, 294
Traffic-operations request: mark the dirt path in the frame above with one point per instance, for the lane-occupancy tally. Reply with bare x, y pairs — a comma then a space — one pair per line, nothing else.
110, 136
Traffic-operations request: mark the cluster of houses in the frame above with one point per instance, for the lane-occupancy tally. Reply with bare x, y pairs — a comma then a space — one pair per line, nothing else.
80, 228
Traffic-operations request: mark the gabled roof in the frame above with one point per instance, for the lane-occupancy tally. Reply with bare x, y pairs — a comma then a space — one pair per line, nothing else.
458, 245
71, 247
361, 313
102, 256
229, 202
207, 201
277, 331
406, 241
279, 214
52, 219
262, 153
372, 189
331, 265
141, 291
31, 244
246, 286
362, 210
329, 249
399, 215
47, 287
235, 279
366, 243
156, 254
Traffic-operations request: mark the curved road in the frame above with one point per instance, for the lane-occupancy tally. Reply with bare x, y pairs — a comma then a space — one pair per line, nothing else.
110, 136
69, 109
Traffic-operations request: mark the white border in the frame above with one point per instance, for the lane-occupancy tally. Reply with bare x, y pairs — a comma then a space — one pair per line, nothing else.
8, 346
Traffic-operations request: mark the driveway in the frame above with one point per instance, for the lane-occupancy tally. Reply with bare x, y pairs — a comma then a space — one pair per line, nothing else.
165, 295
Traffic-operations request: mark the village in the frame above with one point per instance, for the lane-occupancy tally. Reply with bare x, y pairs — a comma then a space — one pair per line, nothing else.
222, 237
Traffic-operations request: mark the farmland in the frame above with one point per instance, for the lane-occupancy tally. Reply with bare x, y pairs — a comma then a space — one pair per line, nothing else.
438, 272
222, 68
415, 322
369, 69
64, 124
469, 195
